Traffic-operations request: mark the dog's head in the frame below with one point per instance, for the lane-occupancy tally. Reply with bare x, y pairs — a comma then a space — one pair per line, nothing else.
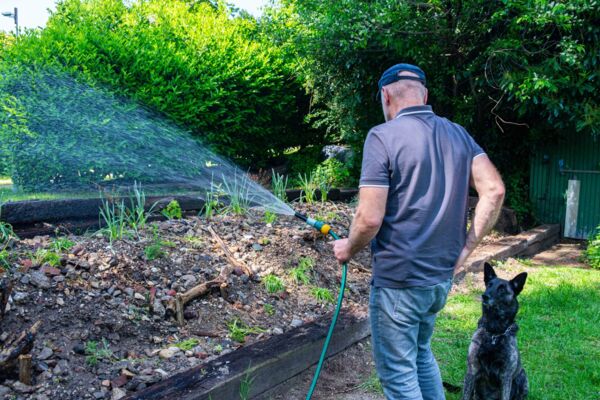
500, 293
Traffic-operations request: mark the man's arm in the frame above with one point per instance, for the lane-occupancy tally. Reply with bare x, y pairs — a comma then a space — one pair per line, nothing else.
489, 186
366, 223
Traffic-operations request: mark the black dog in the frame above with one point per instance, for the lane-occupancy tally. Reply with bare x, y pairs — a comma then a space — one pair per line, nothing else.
494, 370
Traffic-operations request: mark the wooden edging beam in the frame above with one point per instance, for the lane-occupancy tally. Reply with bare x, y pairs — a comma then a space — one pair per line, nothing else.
265, 364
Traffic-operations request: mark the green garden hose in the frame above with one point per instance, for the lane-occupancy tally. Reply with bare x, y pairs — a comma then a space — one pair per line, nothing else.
326, 230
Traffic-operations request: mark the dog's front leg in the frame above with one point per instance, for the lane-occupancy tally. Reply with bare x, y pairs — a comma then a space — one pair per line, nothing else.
506, 387
469, 386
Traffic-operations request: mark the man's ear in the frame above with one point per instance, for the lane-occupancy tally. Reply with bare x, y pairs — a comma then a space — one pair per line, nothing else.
488, 273
518, 282
385, 95
426, 96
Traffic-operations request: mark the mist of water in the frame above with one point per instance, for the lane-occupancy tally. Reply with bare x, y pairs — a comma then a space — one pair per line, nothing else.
66, 135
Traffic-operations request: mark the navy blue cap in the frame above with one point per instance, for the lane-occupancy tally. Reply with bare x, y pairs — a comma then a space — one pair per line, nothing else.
392, 74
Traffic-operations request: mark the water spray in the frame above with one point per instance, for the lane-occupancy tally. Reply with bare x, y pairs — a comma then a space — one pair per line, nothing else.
325, 229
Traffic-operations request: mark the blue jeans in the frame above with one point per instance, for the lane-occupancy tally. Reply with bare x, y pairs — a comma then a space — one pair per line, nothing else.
402, 322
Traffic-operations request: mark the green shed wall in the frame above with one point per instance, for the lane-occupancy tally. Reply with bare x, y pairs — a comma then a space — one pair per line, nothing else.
548, 185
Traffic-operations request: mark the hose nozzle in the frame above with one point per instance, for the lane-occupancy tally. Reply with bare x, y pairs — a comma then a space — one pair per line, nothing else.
318, 225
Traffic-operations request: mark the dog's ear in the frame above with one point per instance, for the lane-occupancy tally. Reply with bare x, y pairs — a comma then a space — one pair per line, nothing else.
518, 282
488, 273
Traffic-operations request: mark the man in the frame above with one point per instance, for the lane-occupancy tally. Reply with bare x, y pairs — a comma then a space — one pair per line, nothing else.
414, 186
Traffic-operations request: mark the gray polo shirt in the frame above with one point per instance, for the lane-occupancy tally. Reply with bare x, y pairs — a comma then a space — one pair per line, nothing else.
425, 160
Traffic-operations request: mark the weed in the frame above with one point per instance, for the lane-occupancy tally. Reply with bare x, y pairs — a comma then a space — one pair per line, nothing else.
153, 252
322, 295
300, 274
245, 385
137, 216
188, 344
269, 309
172, 210
270, 217
218, 348
372, 384
62, 244
308, 187
95, 353
6, 230
279, 183
238, 330
273, 284
42, 256
528, 262
5, 261
592, 253
211, 204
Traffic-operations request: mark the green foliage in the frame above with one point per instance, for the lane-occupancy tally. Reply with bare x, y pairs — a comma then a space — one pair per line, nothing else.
61, 244
280, 184
308, 187
269, 309
592, 253
5, 261
42, 256
172, 210
201, 67
322, 295
153, 251
270, 217
6, 230
273, 284
137, 216
211, 204
114, 219
239, 194
517, 197
301, 273
95, 352
238, 330
187, 344
245, 386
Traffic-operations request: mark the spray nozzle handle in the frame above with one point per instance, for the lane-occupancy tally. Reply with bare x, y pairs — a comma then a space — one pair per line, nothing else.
318, 225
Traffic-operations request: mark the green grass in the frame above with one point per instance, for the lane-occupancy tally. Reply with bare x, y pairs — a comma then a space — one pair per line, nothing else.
273, 284
187, 344
238, 330
322, 295
301, 273
95, 353
559, 335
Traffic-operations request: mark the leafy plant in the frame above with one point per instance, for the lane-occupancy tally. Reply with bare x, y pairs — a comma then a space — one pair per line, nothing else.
592, 253
245, 386
137, 216
238, 190
153, 251
187, 344
300, 274
238, 330
269, 309
333, 173
279, 183
211, 204
42, 256
5, 260
172, 210
322, 295
273, 284
308, 187
6, 230
61, 244
94, 352
270, 217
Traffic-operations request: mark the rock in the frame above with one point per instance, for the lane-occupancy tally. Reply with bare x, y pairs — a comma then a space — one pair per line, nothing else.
190, 314
4, 391
50, 271
257, 247
129, 291
22, 388
158, 308
39, 280
62, 368
169, 353
25, 280
58, 278
106, 383
120, 381
296, 323
98, 395
19, 297
45, 354
139, 296
189, 279
60, 301
244, 278
79, 348
277, 331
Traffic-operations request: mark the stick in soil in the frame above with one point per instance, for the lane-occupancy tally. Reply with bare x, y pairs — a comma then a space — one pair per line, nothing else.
22, 345
25, 369
176, 305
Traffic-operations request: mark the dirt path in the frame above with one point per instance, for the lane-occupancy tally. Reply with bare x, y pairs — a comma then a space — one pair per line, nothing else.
349, 375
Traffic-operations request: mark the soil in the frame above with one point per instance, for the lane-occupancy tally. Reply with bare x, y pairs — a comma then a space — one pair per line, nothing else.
105, 329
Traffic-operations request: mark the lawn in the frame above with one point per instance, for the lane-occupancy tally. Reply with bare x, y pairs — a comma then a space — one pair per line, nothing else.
559, 334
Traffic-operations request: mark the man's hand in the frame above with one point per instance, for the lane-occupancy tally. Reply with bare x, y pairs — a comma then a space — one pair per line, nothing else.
342, 250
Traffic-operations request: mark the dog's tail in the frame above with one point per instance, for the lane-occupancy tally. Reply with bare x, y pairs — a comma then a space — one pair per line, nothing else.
452, 388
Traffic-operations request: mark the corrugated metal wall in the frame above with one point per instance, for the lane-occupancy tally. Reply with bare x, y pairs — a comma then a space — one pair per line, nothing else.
548, 185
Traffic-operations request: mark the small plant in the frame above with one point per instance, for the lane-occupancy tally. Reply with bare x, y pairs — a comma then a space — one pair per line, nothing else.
322, 295
238, 191
372, 384
95, 353
211, 204
269, 309
6, 231
270, 217
273, 284
333, 173
528, 262
153, 252
114, 219
308, 187
238, 330
300, 274
245, 386
42, 256
592, 253
188, 344
280, 184
5, 261
62, 244
137, 216
172, 210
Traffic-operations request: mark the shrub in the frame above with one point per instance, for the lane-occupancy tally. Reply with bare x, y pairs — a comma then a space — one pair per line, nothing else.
333, 173
592, 253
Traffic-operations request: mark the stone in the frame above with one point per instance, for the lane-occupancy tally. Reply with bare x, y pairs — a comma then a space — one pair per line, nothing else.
139, 296
50, 271
98, 395
79, 348
62, 368
60, 301
296, 323
25, 280
169, 353
22, 388
158, 308
257, 247
39, 280
277, 331
129, 291
4, 391
45, 354
19, 297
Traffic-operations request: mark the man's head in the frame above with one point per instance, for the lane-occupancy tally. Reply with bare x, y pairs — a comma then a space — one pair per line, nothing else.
401, 86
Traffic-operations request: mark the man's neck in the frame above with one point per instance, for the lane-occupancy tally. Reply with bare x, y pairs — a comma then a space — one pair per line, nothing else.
401, 105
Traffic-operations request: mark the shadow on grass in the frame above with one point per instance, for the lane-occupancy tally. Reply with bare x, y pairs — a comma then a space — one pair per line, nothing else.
559, 336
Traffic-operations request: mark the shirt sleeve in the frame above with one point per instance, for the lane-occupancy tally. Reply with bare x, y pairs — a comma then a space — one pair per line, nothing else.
476, 149
375, 165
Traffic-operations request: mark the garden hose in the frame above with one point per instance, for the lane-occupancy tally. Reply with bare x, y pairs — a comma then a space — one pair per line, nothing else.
326, 230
